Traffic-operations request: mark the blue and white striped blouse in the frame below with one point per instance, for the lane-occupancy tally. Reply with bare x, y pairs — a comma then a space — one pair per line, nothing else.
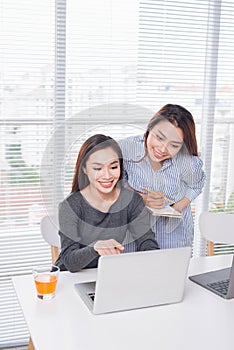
180, 176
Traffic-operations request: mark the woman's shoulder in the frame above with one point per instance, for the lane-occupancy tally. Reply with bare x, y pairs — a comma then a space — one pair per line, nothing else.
185, 157
72, 196
71, 201
132, 146
136, 138
187, 162
131, 141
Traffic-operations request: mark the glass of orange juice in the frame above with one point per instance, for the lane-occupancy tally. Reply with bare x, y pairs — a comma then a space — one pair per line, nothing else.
46, 278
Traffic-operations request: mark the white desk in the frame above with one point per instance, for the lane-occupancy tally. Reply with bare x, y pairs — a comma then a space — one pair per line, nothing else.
201, 321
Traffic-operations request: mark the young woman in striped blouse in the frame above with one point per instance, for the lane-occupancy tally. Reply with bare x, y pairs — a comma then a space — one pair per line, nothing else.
165, 160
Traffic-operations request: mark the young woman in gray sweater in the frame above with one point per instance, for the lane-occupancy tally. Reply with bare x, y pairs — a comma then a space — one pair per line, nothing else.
95, 217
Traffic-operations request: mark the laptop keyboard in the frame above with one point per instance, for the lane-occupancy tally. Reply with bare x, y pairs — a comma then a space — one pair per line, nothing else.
220, 286
91, 295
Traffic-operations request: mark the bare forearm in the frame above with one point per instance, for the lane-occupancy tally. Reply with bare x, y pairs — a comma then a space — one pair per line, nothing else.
181, 204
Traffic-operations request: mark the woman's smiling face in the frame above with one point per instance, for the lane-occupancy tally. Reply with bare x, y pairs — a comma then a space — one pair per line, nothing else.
103, 170
164, 141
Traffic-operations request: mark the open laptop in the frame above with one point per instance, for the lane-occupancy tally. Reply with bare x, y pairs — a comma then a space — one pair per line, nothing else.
220, 282
136, 280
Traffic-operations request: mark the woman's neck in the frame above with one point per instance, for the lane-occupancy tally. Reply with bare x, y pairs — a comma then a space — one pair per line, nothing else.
155, 165
99, 200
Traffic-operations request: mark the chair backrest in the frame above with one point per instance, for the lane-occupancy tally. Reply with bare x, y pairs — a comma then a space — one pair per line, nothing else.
217, 227
49, 231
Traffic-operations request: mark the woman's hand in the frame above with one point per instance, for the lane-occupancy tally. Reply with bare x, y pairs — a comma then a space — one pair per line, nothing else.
108, 247
180, 205
153, 199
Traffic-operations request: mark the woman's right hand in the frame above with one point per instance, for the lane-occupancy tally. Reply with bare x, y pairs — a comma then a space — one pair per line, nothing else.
108, 247
153, 199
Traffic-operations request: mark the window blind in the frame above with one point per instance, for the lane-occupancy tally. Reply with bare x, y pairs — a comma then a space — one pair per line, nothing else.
27, 40
185, 57
69, 70
101, 54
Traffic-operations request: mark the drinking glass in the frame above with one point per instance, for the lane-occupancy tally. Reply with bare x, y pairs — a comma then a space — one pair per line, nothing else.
46, 278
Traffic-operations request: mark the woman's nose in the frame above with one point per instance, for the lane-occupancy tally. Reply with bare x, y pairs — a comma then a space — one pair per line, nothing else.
106, 173
163, 146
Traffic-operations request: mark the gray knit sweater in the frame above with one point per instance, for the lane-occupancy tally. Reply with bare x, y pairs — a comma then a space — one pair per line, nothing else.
81, 225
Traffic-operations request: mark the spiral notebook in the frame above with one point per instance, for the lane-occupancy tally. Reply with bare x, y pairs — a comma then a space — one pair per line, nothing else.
166, 211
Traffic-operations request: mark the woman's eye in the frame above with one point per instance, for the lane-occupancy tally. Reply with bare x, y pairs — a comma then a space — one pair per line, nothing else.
114, 167
175, 146
97, 169
159, 138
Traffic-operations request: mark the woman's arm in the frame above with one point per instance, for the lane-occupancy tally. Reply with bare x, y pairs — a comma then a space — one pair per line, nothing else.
193, 176
74, 256
181, 204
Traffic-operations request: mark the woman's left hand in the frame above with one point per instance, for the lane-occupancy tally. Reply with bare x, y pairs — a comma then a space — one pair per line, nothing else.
180, 205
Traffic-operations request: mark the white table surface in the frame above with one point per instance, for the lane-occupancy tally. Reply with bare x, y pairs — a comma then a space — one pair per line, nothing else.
202, 320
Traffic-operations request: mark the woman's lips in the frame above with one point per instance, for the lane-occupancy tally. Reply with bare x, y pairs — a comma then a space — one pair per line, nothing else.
106, 184
158, 155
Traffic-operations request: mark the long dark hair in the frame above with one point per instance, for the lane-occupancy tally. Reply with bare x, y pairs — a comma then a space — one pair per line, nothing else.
91, 145
179, 117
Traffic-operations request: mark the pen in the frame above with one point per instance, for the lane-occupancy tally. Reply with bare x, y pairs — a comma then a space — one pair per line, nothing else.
165, 198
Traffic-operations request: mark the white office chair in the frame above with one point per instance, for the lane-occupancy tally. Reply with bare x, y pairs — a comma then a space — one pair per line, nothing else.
49, 231
216, 227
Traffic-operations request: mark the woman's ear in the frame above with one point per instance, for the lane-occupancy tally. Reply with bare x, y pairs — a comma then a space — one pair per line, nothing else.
84, 170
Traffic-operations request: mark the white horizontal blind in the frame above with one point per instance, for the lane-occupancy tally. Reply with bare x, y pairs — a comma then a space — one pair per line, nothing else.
172, 47
220, 113
101, 61
26, 123
100, 69
101, 55
181, 43
171, 63
223, 172
53, 71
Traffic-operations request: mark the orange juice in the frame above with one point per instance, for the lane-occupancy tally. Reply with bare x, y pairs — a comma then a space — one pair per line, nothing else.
45, 283
45, 278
